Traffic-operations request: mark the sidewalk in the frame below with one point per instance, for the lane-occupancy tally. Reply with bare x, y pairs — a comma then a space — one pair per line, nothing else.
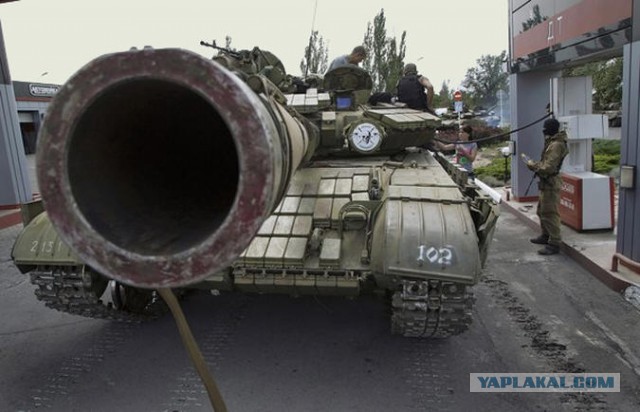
593, 250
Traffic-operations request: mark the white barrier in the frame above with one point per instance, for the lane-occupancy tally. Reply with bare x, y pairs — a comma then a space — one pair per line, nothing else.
495, 195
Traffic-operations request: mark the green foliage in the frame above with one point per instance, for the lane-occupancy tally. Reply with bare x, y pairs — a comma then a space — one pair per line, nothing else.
375, 42
495, 169
385, 57
606, 155
395, 62
483, 81
607, 81
533, 20
606, 147
603, 163
316, 55
444, 97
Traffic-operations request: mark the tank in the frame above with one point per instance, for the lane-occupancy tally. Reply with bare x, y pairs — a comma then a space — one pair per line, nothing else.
165, 169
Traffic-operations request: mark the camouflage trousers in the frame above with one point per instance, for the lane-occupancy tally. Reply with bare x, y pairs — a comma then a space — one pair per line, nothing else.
547, 211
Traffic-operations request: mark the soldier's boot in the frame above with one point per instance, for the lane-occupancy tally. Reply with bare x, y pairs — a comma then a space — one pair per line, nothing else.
540, 240
549, 250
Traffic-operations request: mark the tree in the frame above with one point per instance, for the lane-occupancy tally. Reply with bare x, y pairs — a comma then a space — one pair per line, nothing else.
385, 57
395, 61
607, 81
483, 81
316, 55
533, 20
443, 98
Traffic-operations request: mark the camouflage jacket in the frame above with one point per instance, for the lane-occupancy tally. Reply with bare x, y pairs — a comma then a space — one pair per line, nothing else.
553, 153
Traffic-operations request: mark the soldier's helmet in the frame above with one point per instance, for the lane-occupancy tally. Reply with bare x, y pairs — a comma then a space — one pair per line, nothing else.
550, 127
410, 68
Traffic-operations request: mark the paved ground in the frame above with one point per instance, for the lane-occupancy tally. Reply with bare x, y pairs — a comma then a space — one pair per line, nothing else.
592, 249
275, 353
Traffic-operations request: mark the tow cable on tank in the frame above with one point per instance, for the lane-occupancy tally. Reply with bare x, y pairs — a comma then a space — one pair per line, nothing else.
215, 397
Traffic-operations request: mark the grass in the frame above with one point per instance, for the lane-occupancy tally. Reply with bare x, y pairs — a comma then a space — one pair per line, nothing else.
493, 173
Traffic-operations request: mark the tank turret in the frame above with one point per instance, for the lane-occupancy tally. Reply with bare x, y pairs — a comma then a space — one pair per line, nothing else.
160, 168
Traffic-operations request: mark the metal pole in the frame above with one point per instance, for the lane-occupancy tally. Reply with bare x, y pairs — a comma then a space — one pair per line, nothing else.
505, 170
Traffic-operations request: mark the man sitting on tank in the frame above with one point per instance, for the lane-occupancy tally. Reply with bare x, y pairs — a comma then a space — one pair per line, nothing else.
415, 90
358, 54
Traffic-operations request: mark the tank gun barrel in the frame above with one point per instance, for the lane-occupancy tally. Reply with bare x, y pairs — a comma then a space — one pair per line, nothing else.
158, 166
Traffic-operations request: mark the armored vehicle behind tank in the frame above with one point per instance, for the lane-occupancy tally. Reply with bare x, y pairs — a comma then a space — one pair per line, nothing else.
322, 193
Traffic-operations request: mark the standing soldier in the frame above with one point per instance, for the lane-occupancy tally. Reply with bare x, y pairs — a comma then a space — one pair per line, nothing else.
548, 170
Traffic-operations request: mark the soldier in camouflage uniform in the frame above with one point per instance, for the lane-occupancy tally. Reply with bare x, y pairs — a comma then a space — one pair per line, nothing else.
547, 170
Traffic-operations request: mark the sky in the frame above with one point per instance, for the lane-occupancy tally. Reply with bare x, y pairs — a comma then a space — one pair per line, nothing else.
48, 40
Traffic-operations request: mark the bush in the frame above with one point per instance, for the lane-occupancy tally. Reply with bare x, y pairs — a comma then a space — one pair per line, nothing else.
494, 170
606, 155
603, 163
606, 147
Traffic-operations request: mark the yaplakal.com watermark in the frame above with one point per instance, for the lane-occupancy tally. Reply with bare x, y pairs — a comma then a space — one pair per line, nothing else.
544, 382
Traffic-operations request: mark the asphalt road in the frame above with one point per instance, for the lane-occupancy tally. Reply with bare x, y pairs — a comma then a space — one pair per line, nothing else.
276, 353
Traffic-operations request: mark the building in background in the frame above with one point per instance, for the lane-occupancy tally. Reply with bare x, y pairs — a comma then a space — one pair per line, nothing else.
15, 187
32, 100
547, 36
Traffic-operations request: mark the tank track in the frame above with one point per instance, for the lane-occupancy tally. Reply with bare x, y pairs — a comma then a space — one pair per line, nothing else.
431, 309
77, 290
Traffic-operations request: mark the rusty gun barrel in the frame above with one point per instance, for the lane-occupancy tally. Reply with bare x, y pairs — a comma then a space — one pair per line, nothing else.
158, 166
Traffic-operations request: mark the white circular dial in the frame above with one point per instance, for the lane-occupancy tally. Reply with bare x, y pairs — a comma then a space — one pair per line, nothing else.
365, 137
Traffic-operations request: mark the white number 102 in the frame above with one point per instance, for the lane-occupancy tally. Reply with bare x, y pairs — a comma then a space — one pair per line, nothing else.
441, 256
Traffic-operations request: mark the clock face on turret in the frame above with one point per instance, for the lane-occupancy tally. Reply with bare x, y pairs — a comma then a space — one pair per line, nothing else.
365, 137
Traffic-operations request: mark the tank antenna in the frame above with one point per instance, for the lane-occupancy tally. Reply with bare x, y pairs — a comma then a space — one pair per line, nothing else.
313, 24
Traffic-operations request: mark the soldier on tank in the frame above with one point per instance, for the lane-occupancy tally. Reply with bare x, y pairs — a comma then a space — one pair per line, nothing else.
358, 54
411, 89
548, 170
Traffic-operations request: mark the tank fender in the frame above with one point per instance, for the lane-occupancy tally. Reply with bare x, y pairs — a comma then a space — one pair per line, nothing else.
425, 233
39, 244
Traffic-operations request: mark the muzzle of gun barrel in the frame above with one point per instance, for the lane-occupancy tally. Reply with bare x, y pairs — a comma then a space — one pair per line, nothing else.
158, 166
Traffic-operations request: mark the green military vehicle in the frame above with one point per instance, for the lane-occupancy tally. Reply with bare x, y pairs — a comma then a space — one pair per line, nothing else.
160, 168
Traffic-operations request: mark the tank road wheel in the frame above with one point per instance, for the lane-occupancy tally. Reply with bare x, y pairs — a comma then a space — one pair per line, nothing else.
99, 283
130, 299
78, 290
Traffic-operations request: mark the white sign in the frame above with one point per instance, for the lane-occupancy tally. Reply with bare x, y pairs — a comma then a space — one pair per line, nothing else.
458, 107
43, 90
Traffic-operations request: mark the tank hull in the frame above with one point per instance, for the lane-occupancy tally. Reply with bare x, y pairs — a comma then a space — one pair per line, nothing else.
336, 197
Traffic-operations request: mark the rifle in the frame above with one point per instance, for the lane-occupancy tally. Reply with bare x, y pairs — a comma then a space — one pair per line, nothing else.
529, 187
525, 159
213, 45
